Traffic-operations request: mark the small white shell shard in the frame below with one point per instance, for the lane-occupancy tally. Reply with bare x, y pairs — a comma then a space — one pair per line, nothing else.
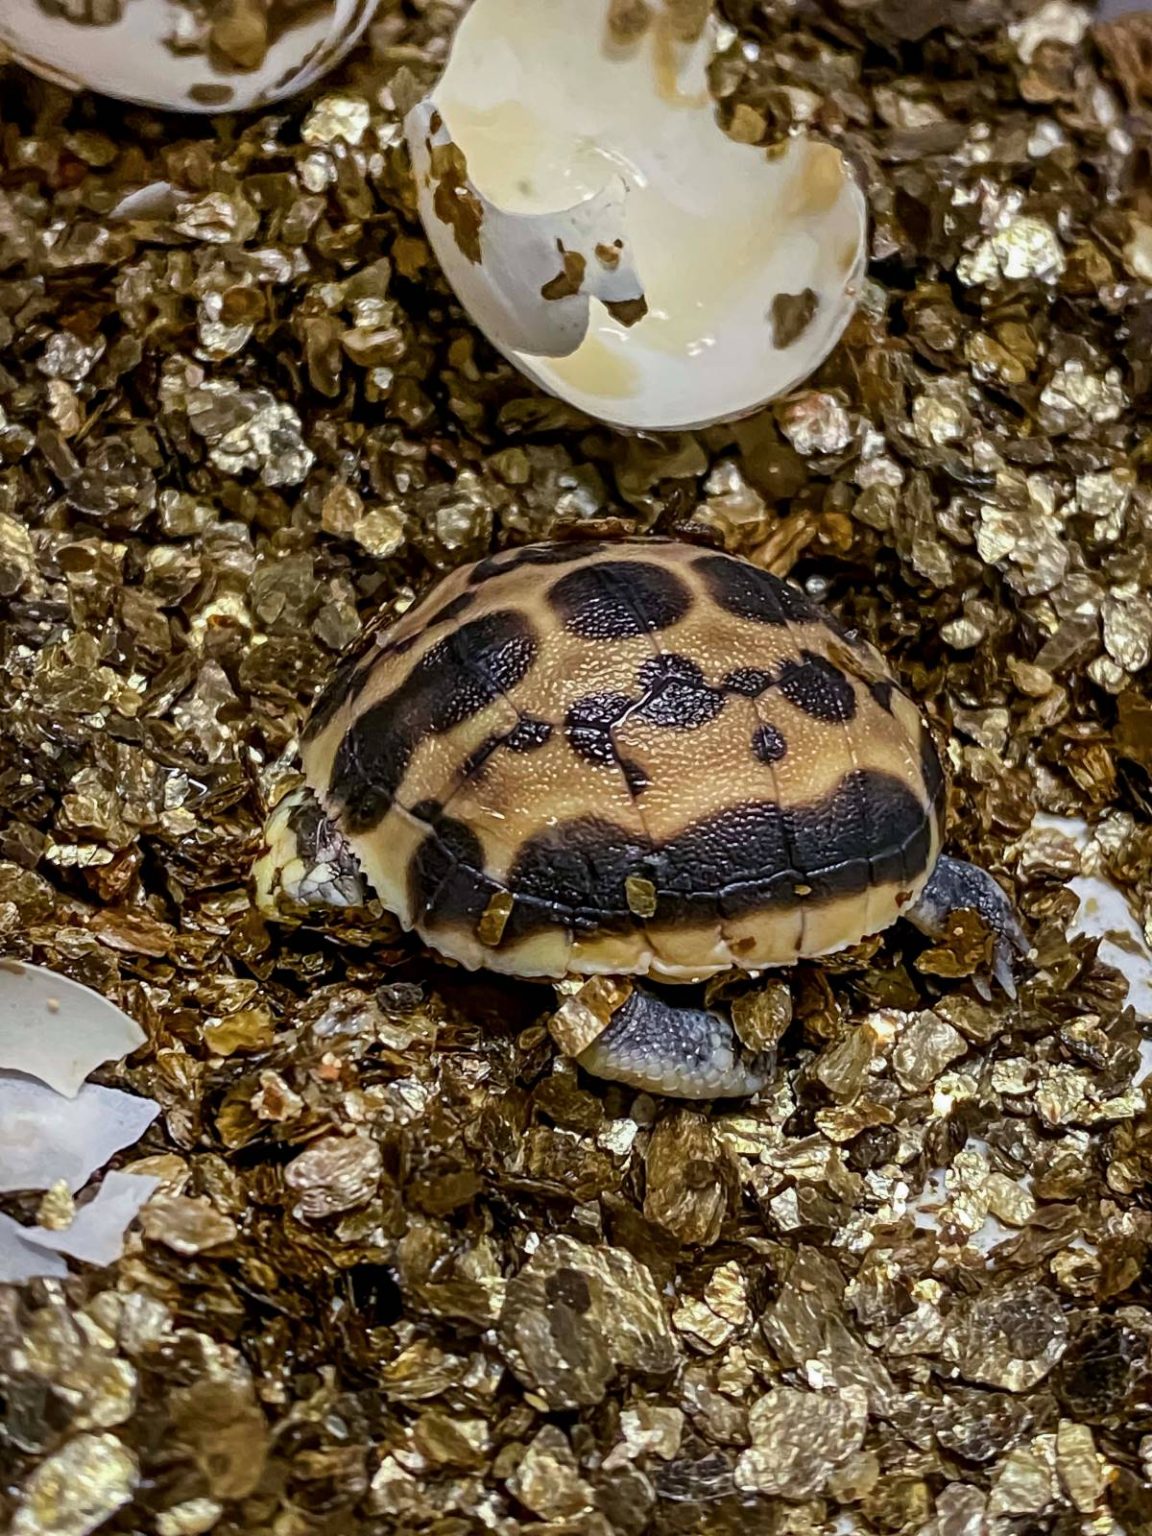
131, 58
156, 200
45, 1138
526, 277
20, 1261
738, 270
57, 1030
96, 1234
1104, 913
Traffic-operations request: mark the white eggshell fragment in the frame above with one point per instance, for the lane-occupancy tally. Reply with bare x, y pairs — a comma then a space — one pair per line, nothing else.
20, 1261
525, 277
604, 232
45, 1138
132, 59
96, 1233
1105, 914
57, 1030
156, 200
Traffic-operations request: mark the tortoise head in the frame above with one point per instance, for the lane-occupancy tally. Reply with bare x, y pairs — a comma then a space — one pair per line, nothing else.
304, 860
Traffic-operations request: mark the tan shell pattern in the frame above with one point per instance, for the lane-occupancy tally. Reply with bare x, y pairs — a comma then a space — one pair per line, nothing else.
638, 756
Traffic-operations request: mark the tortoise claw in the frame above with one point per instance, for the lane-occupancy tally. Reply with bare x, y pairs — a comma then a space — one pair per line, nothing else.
954, 885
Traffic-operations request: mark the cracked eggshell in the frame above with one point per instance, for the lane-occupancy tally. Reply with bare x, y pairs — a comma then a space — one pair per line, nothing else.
20, 1260
44, 1137
57, 1030
95, 1236
131, 58
605, 233
96, 1233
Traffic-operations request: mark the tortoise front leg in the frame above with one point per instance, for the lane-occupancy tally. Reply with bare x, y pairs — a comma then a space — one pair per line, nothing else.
954, 885
675, 1050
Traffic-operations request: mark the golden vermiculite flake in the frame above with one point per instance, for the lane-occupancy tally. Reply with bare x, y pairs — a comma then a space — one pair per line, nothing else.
641, 895
490, 928
408, 1268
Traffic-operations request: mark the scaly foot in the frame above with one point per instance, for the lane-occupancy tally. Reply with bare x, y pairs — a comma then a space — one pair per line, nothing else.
669, 1048
956, 885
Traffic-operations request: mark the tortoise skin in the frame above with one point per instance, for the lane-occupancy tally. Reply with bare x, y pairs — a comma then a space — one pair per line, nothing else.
639, 756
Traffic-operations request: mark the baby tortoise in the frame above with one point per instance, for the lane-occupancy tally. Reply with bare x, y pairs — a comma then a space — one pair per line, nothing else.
637, 757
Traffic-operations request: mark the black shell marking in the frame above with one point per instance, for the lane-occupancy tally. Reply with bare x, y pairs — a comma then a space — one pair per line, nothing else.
456, 679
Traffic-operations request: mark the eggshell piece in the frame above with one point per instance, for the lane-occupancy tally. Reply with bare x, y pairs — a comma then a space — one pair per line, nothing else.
96, 1233
131, 58
57, 1030
20, 1261
45, 1138
587, 125
526, 277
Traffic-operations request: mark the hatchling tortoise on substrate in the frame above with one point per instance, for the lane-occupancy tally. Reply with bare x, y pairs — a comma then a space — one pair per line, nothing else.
628, 758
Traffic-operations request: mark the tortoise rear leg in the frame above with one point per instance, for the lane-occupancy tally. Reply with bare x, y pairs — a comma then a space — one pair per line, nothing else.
954, 885
672, 1049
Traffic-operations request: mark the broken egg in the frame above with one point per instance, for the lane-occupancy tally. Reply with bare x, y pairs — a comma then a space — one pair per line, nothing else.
604, 232
183, 55
56, 1128
57, 1030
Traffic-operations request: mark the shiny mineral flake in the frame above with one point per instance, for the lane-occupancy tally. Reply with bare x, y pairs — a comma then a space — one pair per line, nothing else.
1078, 396
249, 430
816, 423
575, 1314
547, 1480
926, 1047
337, 117
1026, 248
799, 1439
808, 1329
1024, 1483
191, 1518
80, 1361
77, 1488
218, 1420
1081, 1468
335, 1174
1126, 619
711, 1320
648, 1429
186, 1224
688, 1181
1010, 1339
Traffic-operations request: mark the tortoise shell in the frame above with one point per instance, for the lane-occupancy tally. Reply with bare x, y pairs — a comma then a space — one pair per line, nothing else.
638, 756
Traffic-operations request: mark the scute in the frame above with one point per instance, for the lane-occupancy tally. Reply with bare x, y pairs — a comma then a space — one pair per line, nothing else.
628, 756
